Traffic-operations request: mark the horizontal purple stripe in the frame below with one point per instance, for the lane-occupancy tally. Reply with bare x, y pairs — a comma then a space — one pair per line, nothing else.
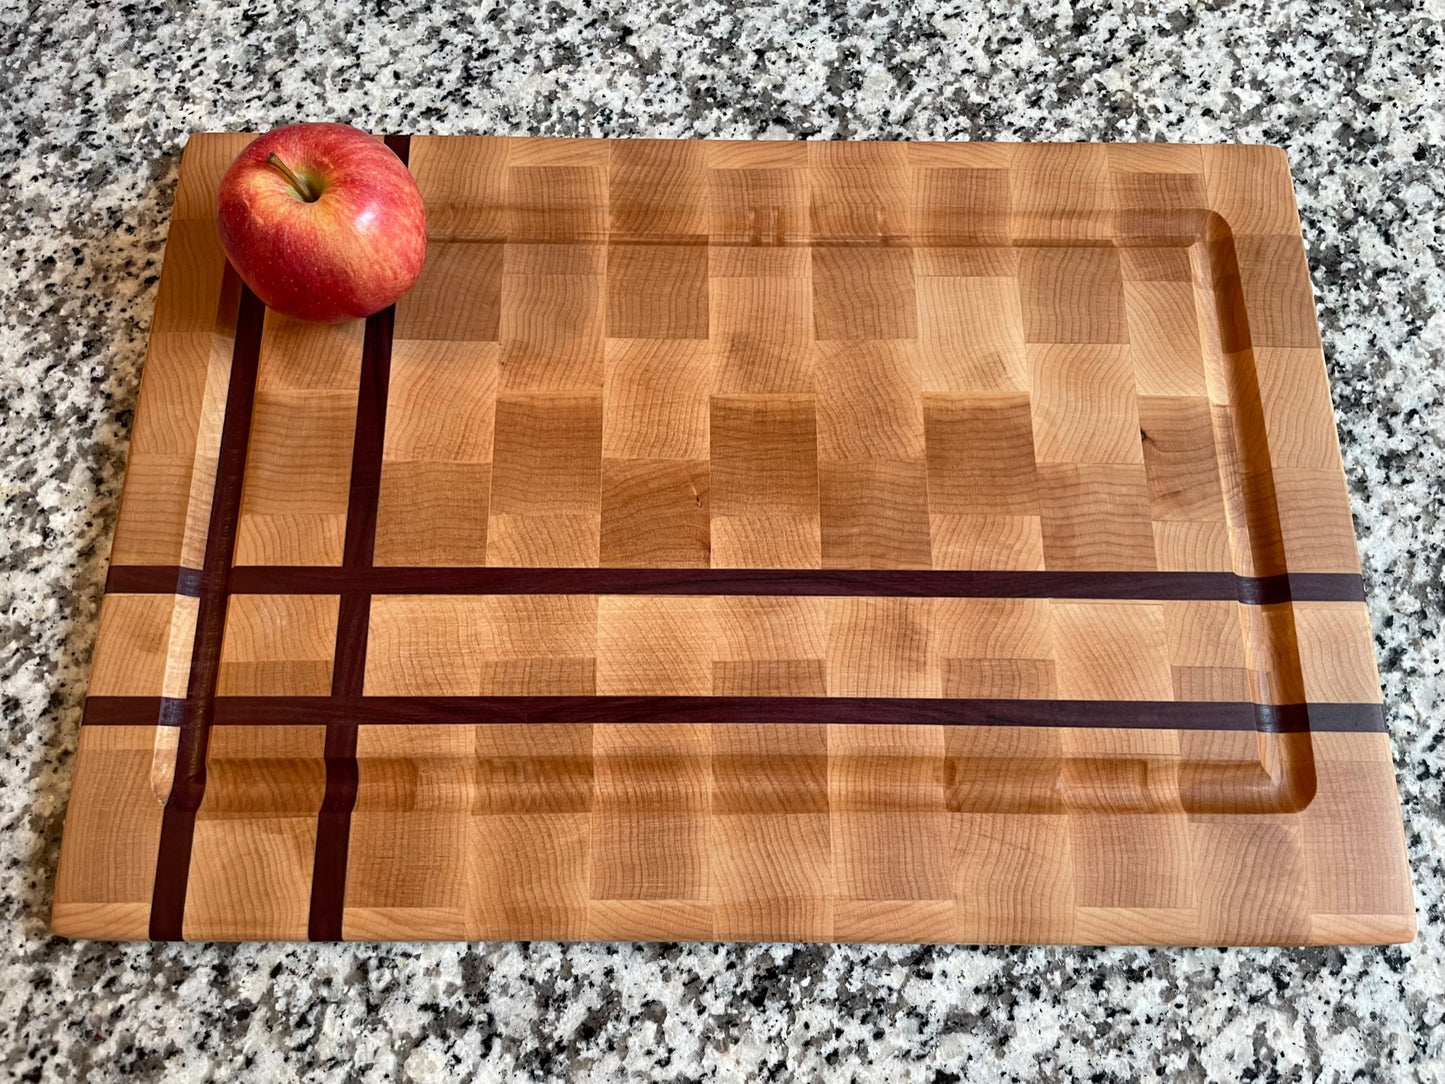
1157, 586
879, 711
153, 580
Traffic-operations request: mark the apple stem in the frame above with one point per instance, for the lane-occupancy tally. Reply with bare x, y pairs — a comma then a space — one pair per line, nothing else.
303, 189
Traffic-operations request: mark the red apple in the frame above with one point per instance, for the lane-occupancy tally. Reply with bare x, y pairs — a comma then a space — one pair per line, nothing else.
322, 221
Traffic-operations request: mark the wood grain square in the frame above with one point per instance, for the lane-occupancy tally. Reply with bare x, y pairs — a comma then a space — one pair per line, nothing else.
898, 769
1314, 514
961, 206
1096, 516
775, 859
653, 646
879, 647
770, 627
1179, 459
1112, 651
1334, 652
1013, 877
432, 513
859, 191
999, 679
760, 768
764, 455
657, 188
1072, 295
278, 645
874, 514
404, 858
1193, 546
966, 261
971, 332
420, 645
191, 294
864, 292
250, 878
769, 677
1298, 415
1059, 193
551, 330
114, 816
527, 875
441, 401
547, 454
892, 856
1276, 282
1204, 634
1155, 263
658, 291
300, 356
143, 646
649, 856
763, 208
1140, 860
1344, 829
767, 540
1155, 206
554, 204
532, 768
867, 403
458, 295
298, 477
1250, 187
656, 400
762, 335
987, 542
1084, 407
1164, 343
991, 628
655, 514
980, 452
544, 540
463, 185
1258, 892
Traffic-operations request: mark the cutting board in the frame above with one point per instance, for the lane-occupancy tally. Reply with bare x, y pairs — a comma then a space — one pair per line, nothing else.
775, 541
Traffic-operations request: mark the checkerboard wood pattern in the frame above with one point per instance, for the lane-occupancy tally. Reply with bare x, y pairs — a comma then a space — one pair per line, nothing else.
819, 541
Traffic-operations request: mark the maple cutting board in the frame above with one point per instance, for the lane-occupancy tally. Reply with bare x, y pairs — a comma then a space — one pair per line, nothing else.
832, 541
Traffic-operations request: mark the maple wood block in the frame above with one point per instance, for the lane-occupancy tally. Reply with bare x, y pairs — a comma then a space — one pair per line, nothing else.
433, 513
278, 645
873, 514
762, 331
987, 542
801, 402
655, 400
1095, 516
764, 457
1084, 407
457, 297
757, 206
864, 292
1072, 295
971, 332
115, 817
658, 291
144, 645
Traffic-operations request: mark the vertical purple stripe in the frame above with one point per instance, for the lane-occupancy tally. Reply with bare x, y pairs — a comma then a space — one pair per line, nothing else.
178, 823
333, 822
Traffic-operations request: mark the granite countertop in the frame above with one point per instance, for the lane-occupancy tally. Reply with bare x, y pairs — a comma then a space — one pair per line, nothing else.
101, 98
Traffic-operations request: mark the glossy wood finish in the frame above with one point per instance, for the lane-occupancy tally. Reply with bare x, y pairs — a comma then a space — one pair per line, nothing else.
751, 540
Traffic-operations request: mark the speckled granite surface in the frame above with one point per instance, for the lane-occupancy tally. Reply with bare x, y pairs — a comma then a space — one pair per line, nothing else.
100, 99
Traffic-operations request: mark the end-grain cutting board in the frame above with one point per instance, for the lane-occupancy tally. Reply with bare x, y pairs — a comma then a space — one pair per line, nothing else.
748, 540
